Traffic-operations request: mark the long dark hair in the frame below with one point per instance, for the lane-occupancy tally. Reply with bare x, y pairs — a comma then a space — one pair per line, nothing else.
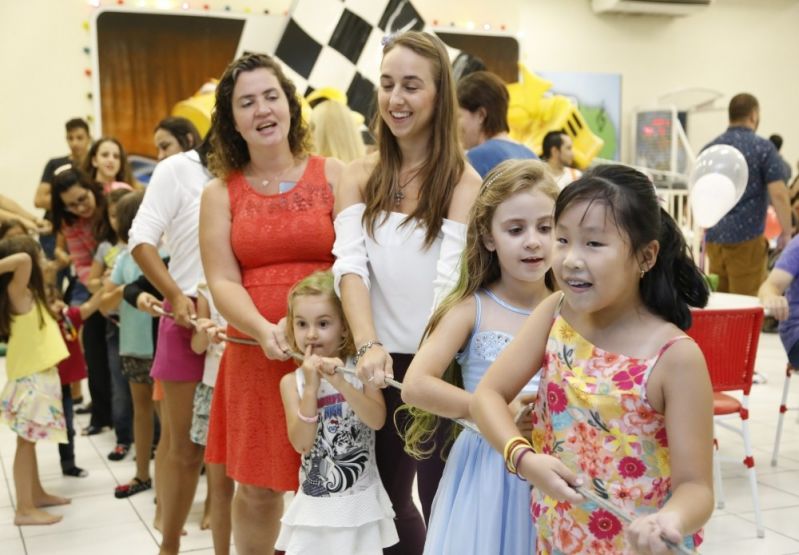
65, 180
674, 283
445, 164
125, 174
28, 245
182, 129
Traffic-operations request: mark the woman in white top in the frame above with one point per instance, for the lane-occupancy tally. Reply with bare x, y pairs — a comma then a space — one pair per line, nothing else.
399, 234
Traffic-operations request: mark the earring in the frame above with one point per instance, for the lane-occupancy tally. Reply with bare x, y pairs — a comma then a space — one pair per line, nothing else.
642, 273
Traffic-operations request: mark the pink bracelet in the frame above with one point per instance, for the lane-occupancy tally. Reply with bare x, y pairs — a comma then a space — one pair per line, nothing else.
309, 419
519, 458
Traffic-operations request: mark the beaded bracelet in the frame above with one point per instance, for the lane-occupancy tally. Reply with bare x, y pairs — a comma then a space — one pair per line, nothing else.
365, 347
309, 419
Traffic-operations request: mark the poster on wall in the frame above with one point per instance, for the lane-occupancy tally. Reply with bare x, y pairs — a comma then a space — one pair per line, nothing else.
598, 95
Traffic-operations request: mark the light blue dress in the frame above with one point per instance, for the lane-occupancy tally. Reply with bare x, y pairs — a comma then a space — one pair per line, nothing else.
479, 507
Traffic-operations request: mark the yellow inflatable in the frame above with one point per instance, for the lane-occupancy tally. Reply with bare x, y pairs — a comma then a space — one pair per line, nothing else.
197, 109
531, 116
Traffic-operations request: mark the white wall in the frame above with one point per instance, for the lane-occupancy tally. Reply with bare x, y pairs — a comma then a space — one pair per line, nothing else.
734, 46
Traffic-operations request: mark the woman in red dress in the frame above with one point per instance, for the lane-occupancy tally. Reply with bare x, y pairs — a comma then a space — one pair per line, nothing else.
265, 223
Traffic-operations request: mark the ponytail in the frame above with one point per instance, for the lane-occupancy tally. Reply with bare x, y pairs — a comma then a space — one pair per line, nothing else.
674, 283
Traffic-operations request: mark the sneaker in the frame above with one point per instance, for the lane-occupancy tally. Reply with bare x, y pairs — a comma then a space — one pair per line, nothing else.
84, 409
74, 472
92, 430
119, 452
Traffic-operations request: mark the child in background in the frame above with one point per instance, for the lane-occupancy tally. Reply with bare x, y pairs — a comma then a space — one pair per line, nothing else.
30, 402
72, 369
341, 506
121, 397
209, 327
135, 348
107, 164
479, 508
625, 405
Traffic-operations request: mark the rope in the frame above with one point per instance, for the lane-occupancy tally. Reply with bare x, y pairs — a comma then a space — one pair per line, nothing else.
586, 493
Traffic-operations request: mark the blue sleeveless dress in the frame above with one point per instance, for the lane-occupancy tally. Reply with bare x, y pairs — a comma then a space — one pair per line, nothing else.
480, 508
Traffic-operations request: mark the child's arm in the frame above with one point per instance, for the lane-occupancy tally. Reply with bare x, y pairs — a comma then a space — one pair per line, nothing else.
772, 293
514, 367
686, 395
91, 306
111, 296
21, 265
368, 404
95, 280
61, 255
301, 433
423, 386
200, 337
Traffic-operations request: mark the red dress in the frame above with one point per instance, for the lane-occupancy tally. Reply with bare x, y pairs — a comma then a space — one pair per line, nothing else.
277, 240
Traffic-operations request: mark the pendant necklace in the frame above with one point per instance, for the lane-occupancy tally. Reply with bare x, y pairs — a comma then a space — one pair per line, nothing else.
399, 194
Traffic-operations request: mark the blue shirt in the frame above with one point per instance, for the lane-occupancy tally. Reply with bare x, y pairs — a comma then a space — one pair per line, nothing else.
789, 262
135, 327
747, 219
493, 151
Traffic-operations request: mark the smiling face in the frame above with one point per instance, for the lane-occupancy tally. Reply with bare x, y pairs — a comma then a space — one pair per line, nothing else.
79, 201
261, 109
107, 162
166, 144
407, 93
317, 322
592, 260
521, 235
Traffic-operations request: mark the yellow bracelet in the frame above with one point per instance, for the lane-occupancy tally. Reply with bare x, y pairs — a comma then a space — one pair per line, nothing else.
511, 447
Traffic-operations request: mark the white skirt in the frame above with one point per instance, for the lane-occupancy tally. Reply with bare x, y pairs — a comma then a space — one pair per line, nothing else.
358, 524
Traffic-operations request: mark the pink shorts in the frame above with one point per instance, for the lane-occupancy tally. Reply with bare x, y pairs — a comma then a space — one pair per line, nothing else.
174, 360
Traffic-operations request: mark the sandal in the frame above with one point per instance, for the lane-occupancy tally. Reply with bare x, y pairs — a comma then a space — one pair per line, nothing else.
134, 487
119, 452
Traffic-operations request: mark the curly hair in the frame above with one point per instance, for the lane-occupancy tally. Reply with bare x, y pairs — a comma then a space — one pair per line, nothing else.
229, 150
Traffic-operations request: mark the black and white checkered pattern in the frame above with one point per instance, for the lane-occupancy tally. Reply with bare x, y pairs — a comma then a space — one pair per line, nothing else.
337, 43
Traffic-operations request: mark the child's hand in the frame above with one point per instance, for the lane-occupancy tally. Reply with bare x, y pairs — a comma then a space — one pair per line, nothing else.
310, 366
520, 409
205, 326
327, 370
647, 532
147, 303
550, 476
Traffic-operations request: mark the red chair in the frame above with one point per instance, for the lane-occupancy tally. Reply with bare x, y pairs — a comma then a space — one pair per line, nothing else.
728, 338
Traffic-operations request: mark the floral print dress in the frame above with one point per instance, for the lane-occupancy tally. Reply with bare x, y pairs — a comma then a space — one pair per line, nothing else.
592, 414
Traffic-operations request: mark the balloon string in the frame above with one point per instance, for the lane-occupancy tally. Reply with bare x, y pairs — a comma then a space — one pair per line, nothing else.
585, 492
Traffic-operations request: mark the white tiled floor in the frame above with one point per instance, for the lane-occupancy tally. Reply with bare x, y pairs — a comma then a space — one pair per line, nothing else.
96, 523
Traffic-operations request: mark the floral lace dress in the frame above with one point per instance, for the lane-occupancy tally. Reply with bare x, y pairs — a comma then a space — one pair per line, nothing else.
592, 414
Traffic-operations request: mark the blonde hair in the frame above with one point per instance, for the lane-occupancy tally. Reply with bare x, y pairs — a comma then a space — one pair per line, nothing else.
444, 166
479, 269
335, 133
318, 283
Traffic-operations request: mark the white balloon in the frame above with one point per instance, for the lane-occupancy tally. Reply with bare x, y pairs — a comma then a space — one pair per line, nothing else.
712, 196
717, 183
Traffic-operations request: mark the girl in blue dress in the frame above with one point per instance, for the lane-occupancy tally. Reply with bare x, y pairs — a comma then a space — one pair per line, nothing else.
480, 508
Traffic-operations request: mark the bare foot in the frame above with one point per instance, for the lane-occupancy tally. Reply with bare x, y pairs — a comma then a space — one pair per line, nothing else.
157, 526
205, 523
35, 517
48, 500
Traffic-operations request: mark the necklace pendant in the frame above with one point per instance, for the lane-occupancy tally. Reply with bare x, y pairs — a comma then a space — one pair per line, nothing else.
398, 196
265, 183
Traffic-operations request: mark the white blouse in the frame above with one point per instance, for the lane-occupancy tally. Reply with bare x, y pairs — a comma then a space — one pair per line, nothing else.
405, 280
171, 207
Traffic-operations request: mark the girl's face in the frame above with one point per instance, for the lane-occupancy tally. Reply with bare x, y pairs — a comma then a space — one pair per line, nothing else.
79, 201
592, 260
166, 144
521, 236
107, 162
407, 93
260, 108
112, 217
318, 323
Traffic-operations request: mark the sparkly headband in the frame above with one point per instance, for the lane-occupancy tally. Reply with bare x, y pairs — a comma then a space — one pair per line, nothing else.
488, 183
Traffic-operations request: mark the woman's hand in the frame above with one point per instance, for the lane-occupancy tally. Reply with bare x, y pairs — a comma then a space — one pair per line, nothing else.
375, 366
550, 476
183, 311
646, 533
273, 341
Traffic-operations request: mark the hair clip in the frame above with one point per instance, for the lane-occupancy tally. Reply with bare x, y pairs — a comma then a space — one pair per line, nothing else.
387, 39
488, 183
62, 169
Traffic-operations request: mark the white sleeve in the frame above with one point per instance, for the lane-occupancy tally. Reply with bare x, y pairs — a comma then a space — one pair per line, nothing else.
449, 260
158, 209
350, 246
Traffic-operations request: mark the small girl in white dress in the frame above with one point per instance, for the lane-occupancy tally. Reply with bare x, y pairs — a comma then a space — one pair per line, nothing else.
341, 506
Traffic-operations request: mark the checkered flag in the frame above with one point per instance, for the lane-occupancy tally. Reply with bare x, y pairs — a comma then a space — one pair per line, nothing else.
338, 43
